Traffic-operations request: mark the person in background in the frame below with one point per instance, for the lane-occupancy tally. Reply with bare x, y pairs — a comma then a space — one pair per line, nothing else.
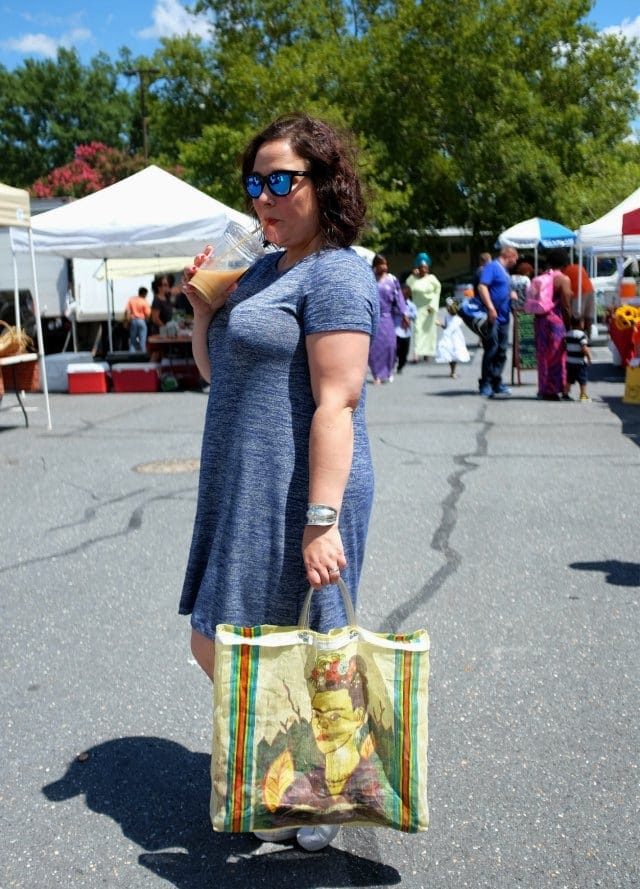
161, 305
495, 291
521, 276
137, 313
382, 353
583, 309
549, 331
483, 260
425, 293
578, 359
403, 325
452, 346
286, 477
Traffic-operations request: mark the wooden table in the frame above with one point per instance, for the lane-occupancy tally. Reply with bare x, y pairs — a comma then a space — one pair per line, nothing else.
14, 362
177, 351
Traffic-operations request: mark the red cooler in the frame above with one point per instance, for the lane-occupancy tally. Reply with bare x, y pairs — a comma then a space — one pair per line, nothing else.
142, 377
88, 379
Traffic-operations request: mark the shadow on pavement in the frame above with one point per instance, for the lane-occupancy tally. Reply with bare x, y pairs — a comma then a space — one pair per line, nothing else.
629, 415
158, 792
617, 573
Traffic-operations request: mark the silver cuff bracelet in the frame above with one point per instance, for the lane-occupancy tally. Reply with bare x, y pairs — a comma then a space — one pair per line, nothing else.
321, 515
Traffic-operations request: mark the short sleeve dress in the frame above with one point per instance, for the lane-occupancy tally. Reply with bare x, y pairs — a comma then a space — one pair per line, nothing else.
245, 564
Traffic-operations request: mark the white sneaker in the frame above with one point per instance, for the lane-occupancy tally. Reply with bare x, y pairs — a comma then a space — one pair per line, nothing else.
276, 836
315, 838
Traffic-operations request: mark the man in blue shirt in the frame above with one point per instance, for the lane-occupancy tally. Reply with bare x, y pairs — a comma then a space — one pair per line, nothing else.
496, 293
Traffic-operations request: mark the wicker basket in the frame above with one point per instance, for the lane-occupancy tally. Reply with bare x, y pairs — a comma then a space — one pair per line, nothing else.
13, 341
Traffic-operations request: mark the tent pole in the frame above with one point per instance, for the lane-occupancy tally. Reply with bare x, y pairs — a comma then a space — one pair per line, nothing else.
106, 282
580, 279
16, 289
36, 306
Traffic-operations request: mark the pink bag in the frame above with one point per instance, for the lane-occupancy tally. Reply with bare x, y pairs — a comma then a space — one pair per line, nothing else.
539, 293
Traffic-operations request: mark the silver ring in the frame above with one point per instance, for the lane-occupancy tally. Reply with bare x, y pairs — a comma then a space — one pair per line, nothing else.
335, 570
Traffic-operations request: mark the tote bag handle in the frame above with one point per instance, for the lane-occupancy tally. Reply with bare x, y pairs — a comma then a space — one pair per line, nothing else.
303, 623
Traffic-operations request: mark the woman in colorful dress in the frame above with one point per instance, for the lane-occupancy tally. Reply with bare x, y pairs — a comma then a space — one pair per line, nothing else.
550, 330
425, 292
382, 352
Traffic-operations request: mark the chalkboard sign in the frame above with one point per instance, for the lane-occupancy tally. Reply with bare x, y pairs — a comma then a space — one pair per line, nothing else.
524, 347
524, 339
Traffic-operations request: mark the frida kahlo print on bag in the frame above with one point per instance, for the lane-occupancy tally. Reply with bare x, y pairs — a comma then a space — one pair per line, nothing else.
344, 745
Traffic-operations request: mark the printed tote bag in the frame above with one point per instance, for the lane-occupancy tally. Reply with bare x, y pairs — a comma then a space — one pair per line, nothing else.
319, 728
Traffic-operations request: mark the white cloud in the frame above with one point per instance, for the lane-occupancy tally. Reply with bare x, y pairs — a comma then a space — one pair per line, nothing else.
171, 19
45, 45
629, 28
48, 20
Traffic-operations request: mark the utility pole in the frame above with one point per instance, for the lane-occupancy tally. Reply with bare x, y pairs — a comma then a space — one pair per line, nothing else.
142, 74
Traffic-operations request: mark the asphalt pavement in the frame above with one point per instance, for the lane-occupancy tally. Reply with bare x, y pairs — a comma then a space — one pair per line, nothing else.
509, 528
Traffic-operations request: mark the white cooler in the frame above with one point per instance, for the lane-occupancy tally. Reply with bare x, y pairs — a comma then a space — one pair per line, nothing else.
56, 367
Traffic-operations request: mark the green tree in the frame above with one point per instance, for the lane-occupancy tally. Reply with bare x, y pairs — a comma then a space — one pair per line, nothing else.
49, 107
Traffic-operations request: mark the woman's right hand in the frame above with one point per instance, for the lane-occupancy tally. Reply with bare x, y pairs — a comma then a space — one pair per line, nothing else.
201, 308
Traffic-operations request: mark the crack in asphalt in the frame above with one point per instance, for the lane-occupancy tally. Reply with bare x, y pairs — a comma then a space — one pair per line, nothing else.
441, 540
134, 524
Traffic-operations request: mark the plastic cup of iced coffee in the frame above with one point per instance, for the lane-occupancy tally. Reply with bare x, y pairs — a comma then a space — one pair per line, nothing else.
236, 250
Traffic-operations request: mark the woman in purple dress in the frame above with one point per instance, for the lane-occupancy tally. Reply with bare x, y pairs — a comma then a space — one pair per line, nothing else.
550, 330
382, 352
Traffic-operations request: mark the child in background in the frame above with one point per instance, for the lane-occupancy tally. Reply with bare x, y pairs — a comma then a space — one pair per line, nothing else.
403, 325
452, 347
578, 357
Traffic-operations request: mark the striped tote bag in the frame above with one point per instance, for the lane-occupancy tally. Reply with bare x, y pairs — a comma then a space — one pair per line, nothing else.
319, 728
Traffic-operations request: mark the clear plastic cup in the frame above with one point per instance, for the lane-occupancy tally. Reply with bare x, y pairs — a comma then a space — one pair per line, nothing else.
237, 249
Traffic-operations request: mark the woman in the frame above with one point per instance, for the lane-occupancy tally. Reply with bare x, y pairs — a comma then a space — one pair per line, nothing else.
161, 305
382, 354
521, 276
549, 332
286, 481
425, 292
348, 778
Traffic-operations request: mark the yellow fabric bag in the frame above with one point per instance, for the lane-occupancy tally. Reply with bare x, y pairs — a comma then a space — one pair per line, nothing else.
314, 728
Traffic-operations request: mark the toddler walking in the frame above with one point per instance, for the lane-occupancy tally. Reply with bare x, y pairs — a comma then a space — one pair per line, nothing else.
452, 347
578, 358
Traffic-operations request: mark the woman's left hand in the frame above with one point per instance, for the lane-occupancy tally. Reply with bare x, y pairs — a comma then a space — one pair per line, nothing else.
322, 553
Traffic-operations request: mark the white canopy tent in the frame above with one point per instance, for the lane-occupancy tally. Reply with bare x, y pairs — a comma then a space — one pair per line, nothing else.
15, 214
604, 236
148, 215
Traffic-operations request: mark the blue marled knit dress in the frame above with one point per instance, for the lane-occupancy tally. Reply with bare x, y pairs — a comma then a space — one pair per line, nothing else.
245, 564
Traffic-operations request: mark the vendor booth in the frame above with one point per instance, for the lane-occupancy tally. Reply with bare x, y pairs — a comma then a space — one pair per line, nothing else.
148, 215
531, 234
17, 368
617, 233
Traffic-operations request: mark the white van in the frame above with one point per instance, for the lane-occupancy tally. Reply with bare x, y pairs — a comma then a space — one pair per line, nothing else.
605, 276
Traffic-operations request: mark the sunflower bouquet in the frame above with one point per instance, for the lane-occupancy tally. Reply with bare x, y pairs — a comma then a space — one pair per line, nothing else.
627, 317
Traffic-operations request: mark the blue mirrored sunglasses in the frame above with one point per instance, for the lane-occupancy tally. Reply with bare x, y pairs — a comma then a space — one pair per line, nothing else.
278, 182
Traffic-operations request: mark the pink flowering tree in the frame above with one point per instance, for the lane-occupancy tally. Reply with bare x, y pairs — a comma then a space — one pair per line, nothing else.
93, 167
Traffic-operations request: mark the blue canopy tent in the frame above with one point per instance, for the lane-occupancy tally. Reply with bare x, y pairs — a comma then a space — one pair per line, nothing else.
536, 232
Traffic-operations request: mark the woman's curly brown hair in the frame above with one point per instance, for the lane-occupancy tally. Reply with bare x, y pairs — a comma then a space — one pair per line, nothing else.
331, 159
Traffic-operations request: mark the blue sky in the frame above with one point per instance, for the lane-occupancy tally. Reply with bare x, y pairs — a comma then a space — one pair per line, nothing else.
36, 28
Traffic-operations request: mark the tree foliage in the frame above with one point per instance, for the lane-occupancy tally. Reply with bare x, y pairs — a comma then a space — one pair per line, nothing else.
477, 114
93, 167
48, 108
